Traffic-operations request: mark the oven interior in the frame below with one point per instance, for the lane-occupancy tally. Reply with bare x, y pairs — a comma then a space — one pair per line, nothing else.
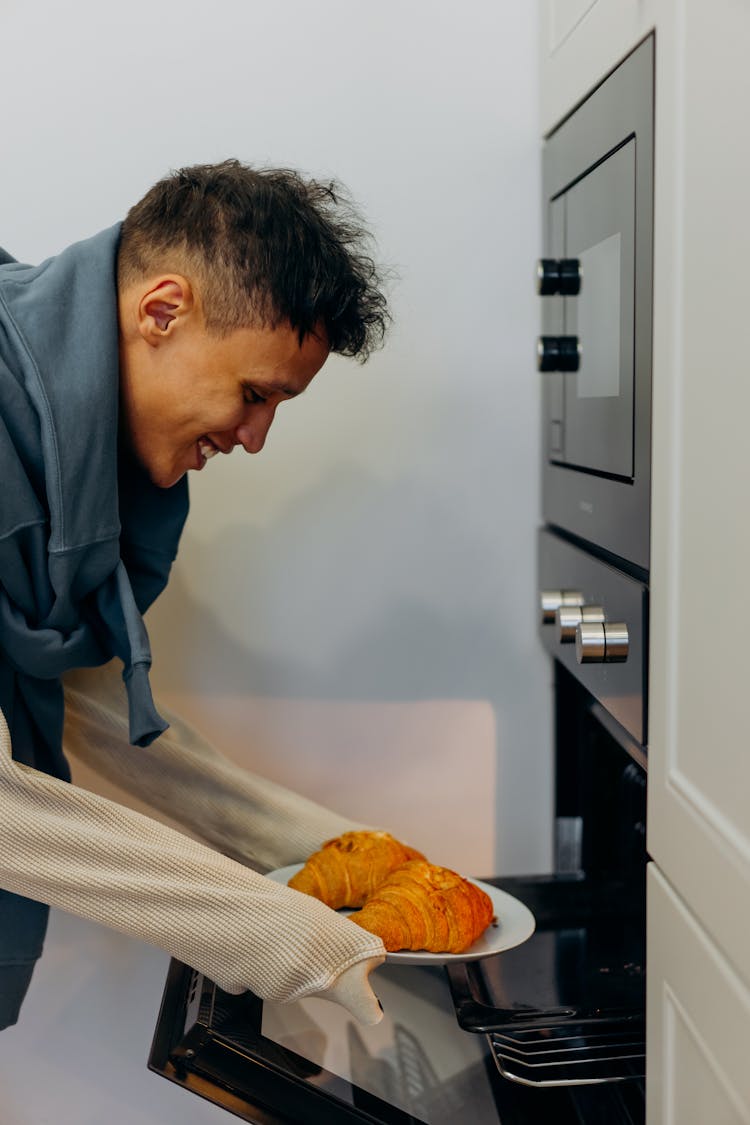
568, 1005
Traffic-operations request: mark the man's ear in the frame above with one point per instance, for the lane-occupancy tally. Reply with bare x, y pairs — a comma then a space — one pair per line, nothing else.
164, 304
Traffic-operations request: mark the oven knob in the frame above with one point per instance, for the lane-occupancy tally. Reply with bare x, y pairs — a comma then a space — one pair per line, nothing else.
558, 275
601, 643
558, 353
553, 599
570, 617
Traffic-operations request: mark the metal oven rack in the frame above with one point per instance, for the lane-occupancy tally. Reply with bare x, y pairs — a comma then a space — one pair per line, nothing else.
567, 1006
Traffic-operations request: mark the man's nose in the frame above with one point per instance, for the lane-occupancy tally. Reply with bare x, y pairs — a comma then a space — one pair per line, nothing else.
251, 435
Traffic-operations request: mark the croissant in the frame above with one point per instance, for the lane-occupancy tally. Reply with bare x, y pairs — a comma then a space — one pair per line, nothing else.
421, 906
348, 869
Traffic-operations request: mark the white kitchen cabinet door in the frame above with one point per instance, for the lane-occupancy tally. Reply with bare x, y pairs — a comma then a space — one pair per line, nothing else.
699, 724
698, 1018
581, 42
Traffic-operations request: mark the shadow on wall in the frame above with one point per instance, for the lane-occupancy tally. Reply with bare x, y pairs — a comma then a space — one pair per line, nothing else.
360, 589
387, 622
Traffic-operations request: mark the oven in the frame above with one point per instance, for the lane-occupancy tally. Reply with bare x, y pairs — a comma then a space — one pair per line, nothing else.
554, 1028
596, 288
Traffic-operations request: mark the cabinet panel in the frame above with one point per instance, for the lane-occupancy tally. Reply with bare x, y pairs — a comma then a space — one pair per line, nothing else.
698, 1020
563, 18
581, 41
699, 754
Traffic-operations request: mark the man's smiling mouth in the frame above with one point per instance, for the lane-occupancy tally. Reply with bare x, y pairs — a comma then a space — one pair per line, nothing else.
207, 448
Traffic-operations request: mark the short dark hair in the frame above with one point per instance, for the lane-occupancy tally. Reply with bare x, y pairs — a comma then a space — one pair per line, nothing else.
269, 247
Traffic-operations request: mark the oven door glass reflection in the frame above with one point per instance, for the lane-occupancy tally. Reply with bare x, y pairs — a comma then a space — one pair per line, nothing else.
599, 398
415, 1059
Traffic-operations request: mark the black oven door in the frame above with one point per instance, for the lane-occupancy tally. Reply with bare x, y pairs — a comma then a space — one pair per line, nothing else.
270, 1071
552, 1030
309, 1062
590, 410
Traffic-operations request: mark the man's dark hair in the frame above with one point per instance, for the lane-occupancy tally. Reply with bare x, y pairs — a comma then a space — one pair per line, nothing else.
268, 246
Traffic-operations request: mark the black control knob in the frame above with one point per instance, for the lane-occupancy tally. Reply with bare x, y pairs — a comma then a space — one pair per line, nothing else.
558, 353
558, 275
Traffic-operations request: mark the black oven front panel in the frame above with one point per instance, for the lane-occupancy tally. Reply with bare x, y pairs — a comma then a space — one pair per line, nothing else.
594, 622
596, 283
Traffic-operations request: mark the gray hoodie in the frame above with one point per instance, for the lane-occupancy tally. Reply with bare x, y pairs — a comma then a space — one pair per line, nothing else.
86, 541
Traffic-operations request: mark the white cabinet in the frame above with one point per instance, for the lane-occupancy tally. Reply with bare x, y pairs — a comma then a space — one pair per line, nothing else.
699, 760
697, 1020
581, 41
699, 689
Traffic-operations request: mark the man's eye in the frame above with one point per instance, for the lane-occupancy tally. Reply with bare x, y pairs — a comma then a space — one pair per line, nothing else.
251, 396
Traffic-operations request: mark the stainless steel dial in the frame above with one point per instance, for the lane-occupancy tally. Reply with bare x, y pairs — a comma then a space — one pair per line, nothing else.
551, 600
605, 642
568, 619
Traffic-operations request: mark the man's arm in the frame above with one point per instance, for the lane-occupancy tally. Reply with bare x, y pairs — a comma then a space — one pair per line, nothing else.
247, 817
85, 854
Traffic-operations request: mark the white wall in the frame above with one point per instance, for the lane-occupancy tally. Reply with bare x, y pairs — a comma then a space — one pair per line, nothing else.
353, 612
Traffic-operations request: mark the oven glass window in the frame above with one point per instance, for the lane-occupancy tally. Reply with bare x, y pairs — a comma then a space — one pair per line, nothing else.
599, 320
598, 399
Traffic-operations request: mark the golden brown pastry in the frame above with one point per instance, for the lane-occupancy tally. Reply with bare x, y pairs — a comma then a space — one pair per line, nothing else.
348, 869
421, 906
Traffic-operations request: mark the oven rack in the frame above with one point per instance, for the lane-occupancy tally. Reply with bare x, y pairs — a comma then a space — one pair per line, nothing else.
554, 1056
567, 1007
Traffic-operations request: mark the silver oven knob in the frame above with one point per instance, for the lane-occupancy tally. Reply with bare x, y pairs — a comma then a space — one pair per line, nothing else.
552, 600
570, 617
558, 353
603, 642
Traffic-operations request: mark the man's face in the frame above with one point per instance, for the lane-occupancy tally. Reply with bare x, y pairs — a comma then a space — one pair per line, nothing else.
186, 394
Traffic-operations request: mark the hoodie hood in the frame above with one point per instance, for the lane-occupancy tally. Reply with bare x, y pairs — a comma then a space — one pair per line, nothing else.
86, 540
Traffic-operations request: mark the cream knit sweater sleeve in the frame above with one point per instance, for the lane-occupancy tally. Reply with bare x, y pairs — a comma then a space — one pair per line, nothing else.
85, 854
253, 820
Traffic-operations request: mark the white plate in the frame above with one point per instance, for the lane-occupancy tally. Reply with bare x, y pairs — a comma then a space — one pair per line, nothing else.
513, 924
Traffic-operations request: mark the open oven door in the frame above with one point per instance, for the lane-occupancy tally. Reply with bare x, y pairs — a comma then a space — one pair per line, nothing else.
550, 1030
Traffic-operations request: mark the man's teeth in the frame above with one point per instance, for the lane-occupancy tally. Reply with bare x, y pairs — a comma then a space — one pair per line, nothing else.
207, 448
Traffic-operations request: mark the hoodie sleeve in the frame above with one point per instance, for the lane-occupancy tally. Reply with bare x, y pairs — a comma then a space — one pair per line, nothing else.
253, 820
85, 854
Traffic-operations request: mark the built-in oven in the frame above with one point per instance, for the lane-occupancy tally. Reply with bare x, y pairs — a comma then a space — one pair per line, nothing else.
596, 284
552, 1030
594, 356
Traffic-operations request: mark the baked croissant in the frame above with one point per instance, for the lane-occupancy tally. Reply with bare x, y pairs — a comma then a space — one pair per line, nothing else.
348, 869
421, 906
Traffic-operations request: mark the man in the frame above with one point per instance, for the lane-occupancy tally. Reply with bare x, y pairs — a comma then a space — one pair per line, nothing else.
125, 362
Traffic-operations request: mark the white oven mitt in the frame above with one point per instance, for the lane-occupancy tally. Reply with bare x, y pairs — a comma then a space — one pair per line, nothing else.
80, 852
352, 990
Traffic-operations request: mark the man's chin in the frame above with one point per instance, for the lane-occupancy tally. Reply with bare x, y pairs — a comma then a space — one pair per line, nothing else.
164, 478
